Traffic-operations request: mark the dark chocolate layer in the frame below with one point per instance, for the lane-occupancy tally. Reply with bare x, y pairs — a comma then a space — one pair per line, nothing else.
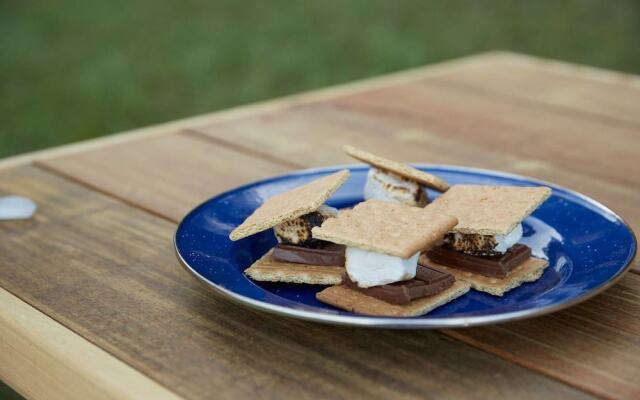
427, 282
330, 254
492, 266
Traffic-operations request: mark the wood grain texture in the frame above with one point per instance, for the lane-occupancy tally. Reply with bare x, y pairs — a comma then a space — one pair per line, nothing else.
496, 123
111, 276
42, 359
557, 87
593, 345
167, 175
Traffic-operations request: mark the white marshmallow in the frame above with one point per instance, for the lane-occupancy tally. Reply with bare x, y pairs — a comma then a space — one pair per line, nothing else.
393, 188
471, 243
504, 242
367, 268
327, 211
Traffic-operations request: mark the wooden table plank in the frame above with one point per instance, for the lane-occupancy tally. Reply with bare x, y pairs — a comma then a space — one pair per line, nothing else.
593, 345
609, 97
42, 359
111, 276
167, 175
496, 123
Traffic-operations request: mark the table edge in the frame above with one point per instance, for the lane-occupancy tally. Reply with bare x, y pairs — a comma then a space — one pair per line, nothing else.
42, 359
271, 105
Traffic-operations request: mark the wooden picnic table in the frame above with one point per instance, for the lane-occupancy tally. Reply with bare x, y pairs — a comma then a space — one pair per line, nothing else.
93, 303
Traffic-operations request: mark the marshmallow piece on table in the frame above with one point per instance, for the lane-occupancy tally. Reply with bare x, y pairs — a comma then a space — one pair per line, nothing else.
16, 207
367, 268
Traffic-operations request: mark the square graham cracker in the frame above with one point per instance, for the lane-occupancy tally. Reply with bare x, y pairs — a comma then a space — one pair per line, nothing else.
490, 210
388, 228
359, 303
289, 205
530, 271
404, 170
270, 270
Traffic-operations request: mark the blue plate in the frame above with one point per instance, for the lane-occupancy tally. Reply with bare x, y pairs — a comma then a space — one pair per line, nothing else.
588, 247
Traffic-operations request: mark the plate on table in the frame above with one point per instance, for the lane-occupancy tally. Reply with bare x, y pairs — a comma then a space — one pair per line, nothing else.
587, 245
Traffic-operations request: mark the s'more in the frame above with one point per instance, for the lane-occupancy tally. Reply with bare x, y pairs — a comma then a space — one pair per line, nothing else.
396, 182
483, 249
383, 243
298, 257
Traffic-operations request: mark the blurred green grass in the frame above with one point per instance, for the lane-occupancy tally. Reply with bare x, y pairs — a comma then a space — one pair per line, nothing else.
73, 70
7, 394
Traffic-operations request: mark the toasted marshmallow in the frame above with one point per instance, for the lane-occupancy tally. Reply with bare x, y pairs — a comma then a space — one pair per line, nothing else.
368, 269
298, 231
483, 245
390, 187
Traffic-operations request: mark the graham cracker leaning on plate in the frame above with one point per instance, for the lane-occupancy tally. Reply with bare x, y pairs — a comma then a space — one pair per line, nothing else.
357, 302
401, 169
268, 269
530, 271
292, 204
388, 228
490, 210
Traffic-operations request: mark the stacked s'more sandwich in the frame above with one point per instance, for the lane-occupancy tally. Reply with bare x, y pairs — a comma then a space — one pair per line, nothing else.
396, 182
298, 257
383, 243
483, 249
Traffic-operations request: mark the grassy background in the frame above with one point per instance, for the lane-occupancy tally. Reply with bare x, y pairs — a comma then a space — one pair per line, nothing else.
71, 70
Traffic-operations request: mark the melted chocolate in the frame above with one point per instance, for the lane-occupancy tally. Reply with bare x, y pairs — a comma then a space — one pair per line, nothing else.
427, 282
497, 266
329, 254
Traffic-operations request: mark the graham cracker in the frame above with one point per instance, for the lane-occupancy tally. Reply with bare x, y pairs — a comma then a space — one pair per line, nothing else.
388, 228
292, 204
531, 270
357, 302
490, 210
271, 270
401, 169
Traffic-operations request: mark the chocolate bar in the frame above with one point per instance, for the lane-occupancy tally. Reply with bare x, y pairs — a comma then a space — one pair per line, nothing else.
497, 266
427, 282
329, 254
